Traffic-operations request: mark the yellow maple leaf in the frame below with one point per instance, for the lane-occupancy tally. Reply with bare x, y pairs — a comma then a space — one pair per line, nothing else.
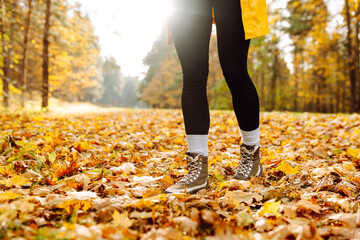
271, 207
7, 170
356, 131
121, 219
86, 205
82, 146
353, 152
69, 226
70, 205
8, 196
16, 180
286, 168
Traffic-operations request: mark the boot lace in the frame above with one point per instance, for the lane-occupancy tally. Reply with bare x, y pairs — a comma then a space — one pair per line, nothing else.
194, 169
246, 163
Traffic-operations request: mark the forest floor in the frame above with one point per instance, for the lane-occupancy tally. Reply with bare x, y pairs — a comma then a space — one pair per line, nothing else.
102, 175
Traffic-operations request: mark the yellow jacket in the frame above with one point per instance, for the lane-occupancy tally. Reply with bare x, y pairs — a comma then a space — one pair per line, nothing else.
254, 16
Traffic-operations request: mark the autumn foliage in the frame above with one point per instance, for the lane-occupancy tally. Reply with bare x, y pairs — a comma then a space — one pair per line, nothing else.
103, 175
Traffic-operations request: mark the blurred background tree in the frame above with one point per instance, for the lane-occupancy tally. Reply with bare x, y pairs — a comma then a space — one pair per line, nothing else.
308, 62
48, 48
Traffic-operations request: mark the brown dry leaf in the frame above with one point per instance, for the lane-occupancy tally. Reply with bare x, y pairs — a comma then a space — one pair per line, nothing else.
297, 231
126, 168
143, 215
185, 224
227, 235
240, 196
306, 205
343, 204
349, 219
262, 225
168, 233
208, 216
289, 211
237, 185
319, 152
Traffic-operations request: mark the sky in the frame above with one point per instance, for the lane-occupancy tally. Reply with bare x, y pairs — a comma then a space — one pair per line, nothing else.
127, 29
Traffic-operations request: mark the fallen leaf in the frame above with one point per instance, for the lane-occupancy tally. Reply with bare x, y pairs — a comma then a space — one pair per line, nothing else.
244, 219
349, 219
16, 181
168, 233
122, 219
143, 215
71, 205
240, 196
286, 168
8, 196
319, 152
185, 224
271, 207
261, 225
208, 216
289, 211
304, 204
354, 152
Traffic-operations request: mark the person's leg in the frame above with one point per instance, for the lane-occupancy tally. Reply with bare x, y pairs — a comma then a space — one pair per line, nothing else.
191, 29
233, 53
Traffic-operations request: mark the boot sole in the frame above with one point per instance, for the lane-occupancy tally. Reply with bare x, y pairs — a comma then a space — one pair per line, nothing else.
196, 190
261, 174
192, 191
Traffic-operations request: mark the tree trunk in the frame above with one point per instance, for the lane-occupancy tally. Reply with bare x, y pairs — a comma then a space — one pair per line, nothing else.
338, 95
45, 65
23, 73
12, 40
337, 82
357, 55
273, 79
5, 53
320, 74
296, 72
351, 62
281, 91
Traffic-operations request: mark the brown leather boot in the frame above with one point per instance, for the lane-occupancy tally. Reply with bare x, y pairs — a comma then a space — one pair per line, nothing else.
197, 177
250, 164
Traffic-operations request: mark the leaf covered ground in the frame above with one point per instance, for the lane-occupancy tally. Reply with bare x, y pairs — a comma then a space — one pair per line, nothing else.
102, 175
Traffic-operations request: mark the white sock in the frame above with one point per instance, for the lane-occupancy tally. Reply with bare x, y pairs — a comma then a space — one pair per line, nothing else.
251, 137
198, 143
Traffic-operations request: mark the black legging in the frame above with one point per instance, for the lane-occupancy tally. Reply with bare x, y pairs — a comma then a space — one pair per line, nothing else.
191, 25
